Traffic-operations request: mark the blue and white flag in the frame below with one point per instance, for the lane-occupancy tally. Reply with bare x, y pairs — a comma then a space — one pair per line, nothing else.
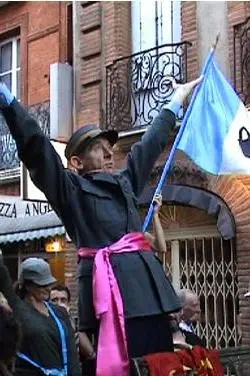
217, 129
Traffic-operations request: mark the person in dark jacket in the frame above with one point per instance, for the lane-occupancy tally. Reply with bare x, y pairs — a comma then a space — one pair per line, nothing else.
60, 295
10, 337
99, 211
41, 348
189, 316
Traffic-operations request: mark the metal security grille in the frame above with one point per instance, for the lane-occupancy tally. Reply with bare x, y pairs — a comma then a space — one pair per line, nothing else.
207, 266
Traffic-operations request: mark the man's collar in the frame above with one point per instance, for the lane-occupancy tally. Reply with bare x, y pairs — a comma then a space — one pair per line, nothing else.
102, 176
185, 326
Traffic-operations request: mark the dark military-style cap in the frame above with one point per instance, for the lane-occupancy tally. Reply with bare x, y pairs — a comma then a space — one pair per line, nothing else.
85, 135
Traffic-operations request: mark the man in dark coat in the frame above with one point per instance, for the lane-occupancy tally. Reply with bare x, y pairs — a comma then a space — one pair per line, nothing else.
189, 316
10, 336
98, 207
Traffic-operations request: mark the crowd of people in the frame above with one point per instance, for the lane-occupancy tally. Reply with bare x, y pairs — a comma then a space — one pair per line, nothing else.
26, 315
127, 305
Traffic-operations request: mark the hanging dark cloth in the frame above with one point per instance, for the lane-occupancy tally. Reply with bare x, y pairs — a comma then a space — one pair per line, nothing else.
198, 198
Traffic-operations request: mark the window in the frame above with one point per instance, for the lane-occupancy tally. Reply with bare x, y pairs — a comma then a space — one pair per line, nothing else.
10, 74
155, 24
10, 64
156, 57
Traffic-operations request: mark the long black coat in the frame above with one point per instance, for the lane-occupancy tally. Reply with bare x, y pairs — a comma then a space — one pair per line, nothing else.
98, 209
40, 336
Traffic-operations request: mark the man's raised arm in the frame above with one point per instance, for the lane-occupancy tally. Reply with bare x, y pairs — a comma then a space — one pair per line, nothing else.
35, 150
145, 153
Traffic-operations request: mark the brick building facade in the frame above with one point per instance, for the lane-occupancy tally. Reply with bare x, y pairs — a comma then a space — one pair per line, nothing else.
102, 33
43, 33
45, 38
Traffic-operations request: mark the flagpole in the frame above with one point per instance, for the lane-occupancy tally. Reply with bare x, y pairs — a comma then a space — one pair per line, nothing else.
167, 167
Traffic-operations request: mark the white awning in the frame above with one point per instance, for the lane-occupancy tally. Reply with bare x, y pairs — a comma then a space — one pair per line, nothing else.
27, 220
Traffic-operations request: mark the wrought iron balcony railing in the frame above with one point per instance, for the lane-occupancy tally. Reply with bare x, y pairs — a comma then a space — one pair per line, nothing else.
139, 85
242, 60
8, 151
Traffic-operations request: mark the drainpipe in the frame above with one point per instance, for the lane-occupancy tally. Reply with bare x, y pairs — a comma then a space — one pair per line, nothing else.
209, 24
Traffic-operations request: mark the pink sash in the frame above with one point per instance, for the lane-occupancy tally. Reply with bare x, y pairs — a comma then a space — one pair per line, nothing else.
112, 354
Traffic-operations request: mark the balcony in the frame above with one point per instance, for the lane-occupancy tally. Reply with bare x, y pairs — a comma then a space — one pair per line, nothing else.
9, 161
139, 85
241, 49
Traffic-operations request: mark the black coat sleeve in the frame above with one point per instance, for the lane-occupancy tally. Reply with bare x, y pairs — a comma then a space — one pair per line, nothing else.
6, 287
74, 357
39, 156
145, 153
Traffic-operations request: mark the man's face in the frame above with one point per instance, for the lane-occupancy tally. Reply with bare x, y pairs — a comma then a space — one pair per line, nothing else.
191, 310
60, 298
98, 156
39, 293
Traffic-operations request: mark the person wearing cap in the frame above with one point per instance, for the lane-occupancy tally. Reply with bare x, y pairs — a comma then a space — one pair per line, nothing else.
128, 305
47, 344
